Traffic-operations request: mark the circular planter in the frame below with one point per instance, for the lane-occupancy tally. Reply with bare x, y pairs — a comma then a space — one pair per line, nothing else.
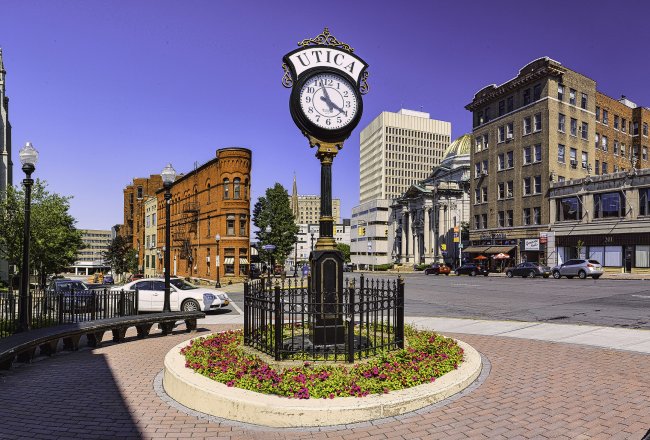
208, 396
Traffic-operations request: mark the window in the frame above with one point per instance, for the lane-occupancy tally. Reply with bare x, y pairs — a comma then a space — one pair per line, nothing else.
509, 217
583, 101
604, 167
603, 143
537, 216
502, 163
229, 261
502, 190
528, 157
479, 144
616, 124
613, 256
560, 122
585, 160
537, 92
527, 125
242, 225
501, 219
485, 141
484, 221
477, 171
510, 104
511, 161
644, 201
572, 97
616, 168
608, 205
510, 129
560, 153
538, 152
509, 187
584, 130
226, 189
642, 255
487, 114
597, 171
140, 192
623, 125
526, 96
605, 117
502, 134
561, 178
208, 224
230, 224
484, 192
569, 208
526, 216
477, 195
485, 166
502, 107
615, 147
538, 122
538, 184
236, 188
560, 92
477, 222
527, 188
623, 150
645, 129
597, 141
573, 157
644, 153
597, 113
153, 219
574, 127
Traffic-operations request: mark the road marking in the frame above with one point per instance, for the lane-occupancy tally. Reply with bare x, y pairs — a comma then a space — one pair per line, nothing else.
642, 296
232, 303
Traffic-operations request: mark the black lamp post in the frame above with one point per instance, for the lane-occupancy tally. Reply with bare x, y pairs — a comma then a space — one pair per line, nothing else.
217, 238
312, 241
268, 232
168, 175
295, 259
28, 157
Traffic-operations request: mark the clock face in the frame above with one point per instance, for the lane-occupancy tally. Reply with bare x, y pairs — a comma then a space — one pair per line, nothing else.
328, 101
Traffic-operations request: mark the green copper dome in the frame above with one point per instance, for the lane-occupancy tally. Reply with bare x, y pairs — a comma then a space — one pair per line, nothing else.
460, 147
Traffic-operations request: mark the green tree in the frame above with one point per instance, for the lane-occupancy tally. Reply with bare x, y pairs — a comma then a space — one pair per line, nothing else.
345, 250
274, 210
121, 256
54, 239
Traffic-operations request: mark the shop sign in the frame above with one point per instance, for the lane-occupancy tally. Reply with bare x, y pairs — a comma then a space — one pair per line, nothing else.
531, 244
543, 237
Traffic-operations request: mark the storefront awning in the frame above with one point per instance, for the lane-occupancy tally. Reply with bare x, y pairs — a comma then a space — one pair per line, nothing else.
243, 260
229, 260
488, 249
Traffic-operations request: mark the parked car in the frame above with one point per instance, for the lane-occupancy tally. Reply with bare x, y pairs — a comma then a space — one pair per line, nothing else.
347, 268
255, 272
437, 269
528, 269
580, 268
471, 269
183, 295
137, 276
77, 296
108, 279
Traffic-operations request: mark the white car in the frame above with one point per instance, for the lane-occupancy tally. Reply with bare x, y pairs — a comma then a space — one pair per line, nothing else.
182, 295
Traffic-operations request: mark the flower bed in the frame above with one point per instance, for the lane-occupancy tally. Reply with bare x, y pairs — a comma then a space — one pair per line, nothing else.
428, 355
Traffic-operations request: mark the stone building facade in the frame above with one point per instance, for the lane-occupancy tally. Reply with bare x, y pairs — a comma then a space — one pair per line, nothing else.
212, 199
153, 263
427, 218
6, 166
538, 128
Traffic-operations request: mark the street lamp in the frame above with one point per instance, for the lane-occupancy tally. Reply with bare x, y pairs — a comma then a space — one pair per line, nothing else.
295, 259
312, 241
168, 175
28, 157
268, 231
217, 238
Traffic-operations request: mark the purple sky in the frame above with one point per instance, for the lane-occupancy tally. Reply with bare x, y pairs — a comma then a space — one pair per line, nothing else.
111, 90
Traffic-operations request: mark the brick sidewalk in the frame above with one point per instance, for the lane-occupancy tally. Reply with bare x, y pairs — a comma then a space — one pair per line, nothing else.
535, 390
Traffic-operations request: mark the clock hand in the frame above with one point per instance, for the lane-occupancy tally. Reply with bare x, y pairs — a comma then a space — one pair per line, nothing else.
327, 99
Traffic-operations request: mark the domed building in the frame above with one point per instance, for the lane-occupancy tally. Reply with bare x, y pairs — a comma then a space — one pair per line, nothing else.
427, 218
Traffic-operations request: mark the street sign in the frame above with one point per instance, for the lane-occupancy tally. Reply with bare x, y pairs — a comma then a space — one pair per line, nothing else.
269, 247
456, 238
460, 245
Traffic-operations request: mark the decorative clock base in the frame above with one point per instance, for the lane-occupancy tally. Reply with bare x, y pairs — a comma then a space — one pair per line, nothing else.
327, 290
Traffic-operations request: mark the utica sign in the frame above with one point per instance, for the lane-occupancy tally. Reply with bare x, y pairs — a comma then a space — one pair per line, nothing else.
311, 57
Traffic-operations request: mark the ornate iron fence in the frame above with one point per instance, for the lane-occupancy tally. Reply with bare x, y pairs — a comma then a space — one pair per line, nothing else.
48, 309
281, 320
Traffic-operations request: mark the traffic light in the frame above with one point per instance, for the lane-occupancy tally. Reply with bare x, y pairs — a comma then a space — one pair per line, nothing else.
386, 233
362, 231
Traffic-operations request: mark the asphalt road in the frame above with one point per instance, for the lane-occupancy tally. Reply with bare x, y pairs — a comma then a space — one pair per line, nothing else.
606, 302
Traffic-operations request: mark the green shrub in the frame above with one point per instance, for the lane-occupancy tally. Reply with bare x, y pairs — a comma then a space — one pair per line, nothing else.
382, 267
421, 266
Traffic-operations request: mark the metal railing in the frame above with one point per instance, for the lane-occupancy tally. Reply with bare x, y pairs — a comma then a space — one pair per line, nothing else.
48, 308
287, 321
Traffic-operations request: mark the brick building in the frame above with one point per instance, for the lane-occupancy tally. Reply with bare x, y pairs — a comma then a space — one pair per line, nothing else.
212, 199
540, 127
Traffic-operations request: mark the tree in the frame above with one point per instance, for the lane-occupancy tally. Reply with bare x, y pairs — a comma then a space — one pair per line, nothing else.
121, 256
345, 250
54, 239
274, 210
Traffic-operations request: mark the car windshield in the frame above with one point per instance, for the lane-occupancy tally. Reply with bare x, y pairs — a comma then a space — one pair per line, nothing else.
182, 285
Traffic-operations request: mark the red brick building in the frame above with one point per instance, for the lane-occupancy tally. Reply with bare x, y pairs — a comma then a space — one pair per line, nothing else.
212, 199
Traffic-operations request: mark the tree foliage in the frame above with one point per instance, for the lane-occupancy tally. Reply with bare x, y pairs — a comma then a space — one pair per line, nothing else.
345, 250
121, 256
274, 210
54, 239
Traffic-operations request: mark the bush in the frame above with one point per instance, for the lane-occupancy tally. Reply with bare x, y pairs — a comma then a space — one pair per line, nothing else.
421, 266
382, 267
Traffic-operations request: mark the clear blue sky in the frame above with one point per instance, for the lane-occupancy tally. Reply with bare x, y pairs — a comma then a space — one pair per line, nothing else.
111, 90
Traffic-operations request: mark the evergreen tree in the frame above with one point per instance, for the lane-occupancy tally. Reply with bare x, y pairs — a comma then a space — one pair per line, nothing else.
121, 256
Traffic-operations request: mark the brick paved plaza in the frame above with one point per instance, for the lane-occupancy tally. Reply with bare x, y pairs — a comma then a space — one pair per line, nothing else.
534, 390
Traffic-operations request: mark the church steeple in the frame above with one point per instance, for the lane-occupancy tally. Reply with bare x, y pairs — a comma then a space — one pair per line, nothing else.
3, 72
294, 199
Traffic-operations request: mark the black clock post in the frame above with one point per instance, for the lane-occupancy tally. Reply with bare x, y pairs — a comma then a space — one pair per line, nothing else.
327, 82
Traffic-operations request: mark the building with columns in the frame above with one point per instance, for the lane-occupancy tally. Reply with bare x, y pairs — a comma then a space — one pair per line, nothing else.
427, 218
6, 166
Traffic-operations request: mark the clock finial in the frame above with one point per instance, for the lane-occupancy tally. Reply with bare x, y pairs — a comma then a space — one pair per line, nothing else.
326, 39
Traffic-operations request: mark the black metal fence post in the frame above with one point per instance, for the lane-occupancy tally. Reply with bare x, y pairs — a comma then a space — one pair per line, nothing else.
106, 293
246, 312
350, 319
60, 303
278, 322
399, 330
122, 302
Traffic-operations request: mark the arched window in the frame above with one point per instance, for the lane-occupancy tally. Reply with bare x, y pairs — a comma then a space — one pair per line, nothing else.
208, 192
246, 189
236, 185
226, 189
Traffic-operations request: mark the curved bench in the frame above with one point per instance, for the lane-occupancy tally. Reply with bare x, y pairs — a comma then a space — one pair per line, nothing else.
22, 346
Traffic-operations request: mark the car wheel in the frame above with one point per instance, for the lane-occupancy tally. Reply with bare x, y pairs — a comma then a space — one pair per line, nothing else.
426, 272
447, 274
582, 274
557, 275
509, 274
456, 272
532, 274
472, 273
596, 277
190, 305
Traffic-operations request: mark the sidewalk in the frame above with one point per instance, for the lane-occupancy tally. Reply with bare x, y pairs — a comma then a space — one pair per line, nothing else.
540, 381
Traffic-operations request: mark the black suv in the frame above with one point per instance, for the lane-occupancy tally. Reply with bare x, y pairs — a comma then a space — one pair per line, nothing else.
471, 269
77, 296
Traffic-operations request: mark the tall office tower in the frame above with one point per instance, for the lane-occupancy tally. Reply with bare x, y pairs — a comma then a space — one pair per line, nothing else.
397, 150
5, 151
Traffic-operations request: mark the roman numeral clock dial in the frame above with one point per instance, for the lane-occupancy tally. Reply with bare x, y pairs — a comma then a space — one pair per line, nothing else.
328, 101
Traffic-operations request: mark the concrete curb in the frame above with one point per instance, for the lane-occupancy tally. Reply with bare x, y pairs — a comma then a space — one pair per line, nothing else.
207, 396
